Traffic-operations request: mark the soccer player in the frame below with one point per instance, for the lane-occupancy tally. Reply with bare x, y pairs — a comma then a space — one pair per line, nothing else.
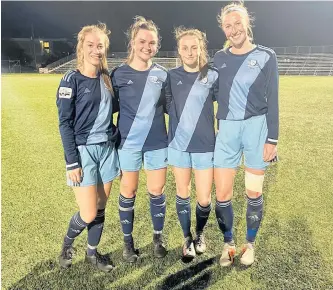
139, 85
248, 125
191, 133
84, 101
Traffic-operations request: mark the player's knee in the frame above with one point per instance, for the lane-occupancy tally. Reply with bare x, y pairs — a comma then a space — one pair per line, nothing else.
156, 189
253, 184
101, 202
204, 199
88, 215
128, 190
224, 194
183, 190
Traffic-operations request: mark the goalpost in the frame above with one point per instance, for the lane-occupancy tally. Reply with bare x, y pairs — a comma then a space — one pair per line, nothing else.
11, 66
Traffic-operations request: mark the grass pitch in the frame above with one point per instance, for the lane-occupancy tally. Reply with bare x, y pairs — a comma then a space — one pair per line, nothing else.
294, 245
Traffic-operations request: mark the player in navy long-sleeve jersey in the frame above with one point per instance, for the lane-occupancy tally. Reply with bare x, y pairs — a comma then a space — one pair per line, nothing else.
84, 101
248, 125
193, 86
139, 85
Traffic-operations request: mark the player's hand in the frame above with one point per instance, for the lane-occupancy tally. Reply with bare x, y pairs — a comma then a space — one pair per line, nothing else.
270, 152
75, 175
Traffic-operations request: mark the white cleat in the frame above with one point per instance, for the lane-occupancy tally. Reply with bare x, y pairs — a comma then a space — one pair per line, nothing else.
200, 244
228, 254
247, 256
188, 248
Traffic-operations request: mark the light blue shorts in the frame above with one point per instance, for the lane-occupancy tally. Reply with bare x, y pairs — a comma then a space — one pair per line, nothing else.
236, 138
132, 160
183, 159
100, 164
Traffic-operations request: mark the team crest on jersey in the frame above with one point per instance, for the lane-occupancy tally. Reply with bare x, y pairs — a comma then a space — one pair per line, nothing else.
154, 79
65, 93
252, 63
204, 80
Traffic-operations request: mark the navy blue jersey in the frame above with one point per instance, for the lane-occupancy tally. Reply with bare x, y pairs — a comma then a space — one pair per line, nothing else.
248, 87
191, 110
85, 114
141, 96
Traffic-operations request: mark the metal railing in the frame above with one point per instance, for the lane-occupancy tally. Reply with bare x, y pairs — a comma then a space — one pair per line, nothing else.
289, 53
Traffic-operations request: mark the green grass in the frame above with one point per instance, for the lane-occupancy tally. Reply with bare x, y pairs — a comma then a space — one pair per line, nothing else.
294, 246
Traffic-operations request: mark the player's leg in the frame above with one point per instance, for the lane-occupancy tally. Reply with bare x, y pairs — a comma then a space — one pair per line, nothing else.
108, 171
181, 167
86, 198
130, 164
155, 164
203, 172
227, 157
254, 137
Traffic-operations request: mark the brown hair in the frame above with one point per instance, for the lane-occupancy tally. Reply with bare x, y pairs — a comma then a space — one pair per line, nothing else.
236, 7
140, 23
101, 28
180, 32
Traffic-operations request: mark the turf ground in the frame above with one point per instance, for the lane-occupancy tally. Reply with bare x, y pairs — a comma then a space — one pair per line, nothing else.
295, 242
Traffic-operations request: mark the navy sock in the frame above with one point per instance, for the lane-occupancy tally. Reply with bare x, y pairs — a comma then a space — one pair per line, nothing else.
126, 214
225, 218
253, 217
76, 226
95, 229
202, 215
183, 207
157, 211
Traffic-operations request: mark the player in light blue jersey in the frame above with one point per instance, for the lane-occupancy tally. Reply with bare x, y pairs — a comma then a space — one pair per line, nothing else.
248, 125
191, 133
84, 101
139, 85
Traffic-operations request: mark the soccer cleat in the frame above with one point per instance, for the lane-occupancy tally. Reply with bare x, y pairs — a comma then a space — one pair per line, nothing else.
188, 248
159, 247
129, 253
66, 256
247, 255
228, 254
200, 244
101, 262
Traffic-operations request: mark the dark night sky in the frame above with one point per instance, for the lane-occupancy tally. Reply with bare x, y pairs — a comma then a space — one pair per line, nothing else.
277, 23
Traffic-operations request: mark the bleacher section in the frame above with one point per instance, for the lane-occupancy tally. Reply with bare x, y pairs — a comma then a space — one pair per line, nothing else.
290, 63
113, 62
310, 64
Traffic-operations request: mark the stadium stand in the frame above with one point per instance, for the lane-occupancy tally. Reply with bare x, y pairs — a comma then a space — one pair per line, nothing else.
317, 61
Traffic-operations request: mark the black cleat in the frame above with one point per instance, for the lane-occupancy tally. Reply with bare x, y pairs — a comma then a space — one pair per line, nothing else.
66, 256
130, 255
159, 247
102, 262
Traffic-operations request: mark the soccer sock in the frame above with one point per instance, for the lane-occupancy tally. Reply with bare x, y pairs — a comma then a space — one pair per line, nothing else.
183, 206
76, 226
202, 215
157, 211
126, 214
95, 229
253, 217
225, 218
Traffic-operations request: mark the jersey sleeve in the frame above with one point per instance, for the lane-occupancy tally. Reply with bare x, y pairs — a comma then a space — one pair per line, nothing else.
272, 93
115, 98
66, 96
215, 86
167, 94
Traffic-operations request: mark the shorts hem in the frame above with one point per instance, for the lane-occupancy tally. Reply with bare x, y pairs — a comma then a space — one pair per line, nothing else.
130, 169
156, 167
110, 179
256, 167
202, 167
178, 166
226, 167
